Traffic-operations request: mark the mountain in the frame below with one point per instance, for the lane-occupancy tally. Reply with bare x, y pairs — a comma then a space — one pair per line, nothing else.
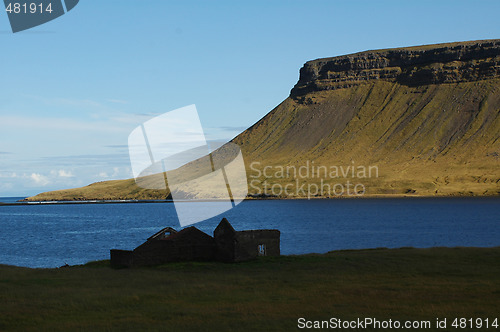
420, 121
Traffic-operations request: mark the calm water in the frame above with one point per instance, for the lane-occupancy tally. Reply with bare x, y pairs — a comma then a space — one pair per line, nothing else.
52, 235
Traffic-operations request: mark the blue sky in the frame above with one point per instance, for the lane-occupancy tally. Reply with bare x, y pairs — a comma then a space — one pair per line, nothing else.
74, 88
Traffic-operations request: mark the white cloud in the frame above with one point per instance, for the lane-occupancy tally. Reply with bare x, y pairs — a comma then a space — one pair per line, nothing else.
117, 173
40, 179
64, 174
103, 175
61, 173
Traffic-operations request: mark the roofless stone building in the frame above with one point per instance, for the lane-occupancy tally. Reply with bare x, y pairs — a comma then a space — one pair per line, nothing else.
191, 244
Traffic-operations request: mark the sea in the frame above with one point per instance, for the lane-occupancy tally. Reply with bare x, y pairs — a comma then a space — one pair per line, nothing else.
52, 235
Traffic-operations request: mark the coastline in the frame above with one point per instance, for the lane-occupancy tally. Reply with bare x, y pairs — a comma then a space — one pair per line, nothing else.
24, 202
34, 203
106, 262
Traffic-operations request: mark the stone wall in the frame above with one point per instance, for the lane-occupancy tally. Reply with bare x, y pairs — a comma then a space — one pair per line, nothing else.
247, 244
121, 258
191, 244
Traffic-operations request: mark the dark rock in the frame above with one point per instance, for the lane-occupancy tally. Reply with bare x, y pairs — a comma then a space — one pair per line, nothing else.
413, 66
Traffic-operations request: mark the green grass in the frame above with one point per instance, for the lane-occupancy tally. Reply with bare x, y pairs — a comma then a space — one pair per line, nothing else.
262, 295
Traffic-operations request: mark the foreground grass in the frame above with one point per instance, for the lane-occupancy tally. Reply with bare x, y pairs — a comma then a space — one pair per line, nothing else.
261, 295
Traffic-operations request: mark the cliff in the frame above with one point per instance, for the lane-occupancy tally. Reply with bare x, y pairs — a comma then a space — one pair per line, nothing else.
427, 117
421, 65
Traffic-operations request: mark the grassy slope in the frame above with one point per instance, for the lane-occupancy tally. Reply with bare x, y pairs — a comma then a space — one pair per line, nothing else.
435, 140
267, 294
105, 190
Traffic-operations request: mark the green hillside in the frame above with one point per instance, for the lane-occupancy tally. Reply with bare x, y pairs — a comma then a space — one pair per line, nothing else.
426, 140
105, 190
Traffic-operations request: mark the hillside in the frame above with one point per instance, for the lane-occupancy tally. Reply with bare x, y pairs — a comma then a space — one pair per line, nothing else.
409, 121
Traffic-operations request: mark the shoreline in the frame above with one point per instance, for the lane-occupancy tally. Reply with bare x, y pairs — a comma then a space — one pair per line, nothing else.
35, 203
374, 196
102, 262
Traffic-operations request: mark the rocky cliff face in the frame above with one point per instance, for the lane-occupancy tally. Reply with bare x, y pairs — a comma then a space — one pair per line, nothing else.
434, 64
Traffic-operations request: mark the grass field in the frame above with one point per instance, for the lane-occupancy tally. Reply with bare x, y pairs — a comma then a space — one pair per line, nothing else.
263, 295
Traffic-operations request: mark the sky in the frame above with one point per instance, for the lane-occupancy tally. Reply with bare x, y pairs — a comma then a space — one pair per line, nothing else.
73, 89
